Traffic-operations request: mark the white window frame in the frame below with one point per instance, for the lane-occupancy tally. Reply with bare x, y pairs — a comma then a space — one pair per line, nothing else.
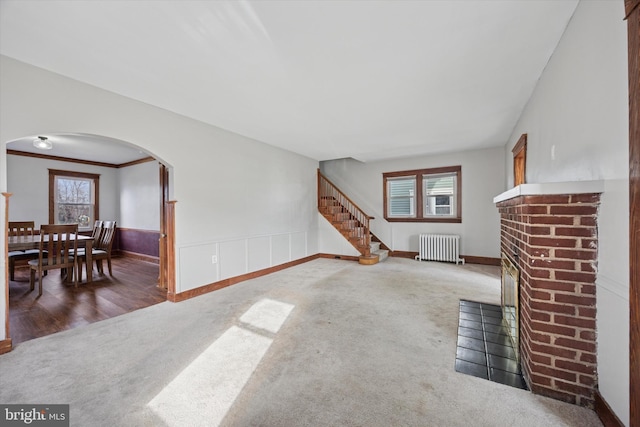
411, 197
430, 211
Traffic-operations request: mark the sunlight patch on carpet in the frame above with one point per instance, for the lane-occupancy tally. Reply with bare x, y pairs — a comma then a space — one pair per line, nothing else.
204, 391
267, 314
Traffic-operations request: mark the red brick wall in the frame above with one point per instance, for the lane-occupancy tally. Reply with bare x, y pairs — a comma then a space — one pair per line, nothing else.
553, 241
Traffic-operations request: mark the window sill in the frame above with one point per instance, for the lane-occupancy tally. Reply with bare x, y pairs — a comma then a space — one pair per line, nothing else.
443, 220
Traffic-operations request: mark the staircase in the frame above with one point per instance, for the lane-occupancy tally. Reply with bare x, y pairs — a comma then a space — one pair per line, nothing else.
376, 250
349, 220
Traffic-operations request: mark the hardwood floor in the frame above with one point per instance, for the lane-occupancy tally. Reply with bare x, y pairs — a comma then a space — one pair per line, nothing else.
62, 306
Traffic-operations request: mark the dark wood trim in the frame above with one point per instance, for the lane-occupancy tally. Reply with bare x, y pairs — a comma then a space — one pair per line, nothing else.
427, 171
173, 297
5, 345
520, 161
57, 172
447, 220
520, 145
138, 230
136, 162
136, 241
468, 259
604, 412
342, 257
629, 7
482, 260
162, 243
82, 162
632, 11
168, 260
142, 242
61, 159
74, 174
135, 255
403, 254
418, 175
319, 186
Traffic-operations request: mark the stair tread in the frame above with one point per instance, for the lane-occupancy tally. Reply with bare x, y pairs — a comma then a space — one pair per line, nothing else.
382, 254
349, 225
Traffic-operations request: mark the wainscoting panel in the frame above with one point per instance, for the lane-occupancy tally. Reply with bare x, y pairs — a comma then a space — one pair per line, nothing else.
233, 258
144, 242
197, 268
237, 258
280, 249
298, 245
613, 361
259, 253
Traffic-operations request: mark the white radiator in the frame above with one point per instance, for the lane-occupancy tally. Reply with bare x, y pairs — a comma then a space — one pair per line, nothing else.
439, 247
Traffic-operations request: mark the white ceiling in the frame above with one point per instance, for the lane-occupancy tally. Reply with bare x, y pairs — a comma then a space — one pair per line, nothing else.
326, 79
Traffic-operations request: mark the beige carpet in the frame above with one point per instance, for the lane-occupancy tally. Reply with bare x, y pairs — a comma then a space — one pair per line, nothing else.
326, 343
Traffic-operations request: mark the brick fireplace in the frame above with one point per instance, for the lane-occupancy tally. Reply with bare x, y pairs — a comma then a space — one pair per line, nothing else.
551, 238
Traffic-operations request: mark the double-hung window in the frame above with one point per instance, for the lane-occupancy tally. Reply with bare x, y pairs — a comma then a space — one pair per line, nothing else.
439, 195
73, 198
425, 195
402, 197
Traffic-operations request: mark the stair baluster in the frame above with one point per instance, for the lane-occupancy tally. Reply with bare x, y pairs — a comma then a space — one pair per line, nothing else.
344, 214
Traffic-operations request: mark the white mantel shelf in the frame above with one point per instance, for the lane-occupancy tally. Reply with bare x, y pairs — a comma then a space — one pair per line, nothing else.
570, 187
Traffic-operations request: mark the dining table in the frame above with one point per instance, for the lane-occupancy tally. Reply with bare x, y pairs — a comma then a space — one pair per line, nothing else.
22, 243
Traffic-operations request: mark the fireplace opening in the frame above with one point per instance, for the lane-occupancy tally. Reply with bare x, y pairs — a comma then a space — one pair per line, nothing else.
509, 302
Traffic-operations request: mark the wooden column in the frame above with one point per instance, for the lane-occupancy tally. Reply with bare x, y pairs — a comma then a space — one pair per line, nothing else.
632, 10
170, 220
5, 345
164, 196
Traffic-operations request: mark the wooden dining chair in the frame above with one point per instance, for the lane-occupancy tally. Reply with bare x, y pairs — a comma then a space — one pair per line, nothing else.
20, 228
101, 249
95, 234
56, 244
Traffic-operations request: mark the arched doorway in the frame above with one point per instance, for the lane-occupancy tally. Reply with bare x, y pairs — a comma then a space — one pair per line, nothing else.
84, 152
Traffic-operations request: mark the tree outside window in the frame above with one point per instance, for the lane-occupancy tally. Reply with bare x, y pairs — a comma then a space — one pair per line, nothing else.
73, 198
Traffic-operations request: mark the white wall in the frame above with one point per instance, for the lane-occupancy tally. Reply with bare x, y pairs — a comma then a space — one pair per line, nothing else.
482, 178
139, 196
232, 192
28, 180
577, 122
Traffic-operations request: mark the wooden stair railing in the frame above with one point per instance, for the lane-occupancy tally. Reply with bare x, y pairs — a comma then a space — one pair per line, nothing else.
344, 215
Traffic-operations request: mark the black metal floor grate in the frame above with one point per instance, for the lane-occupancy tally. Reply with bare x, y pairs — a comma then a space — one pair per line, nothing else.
484, 348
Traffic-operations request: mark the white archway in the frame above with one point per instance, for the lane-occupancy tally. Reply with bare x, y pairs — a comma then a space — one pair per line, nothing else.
86, 151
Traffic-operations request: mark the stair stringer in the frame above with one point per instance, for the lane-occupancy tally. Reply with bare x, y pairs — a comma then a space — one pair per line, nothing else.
331, 241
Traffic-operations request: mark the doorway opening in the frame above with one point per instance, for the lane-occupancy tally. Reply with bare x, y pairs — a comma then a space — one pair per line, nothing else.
139, 279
